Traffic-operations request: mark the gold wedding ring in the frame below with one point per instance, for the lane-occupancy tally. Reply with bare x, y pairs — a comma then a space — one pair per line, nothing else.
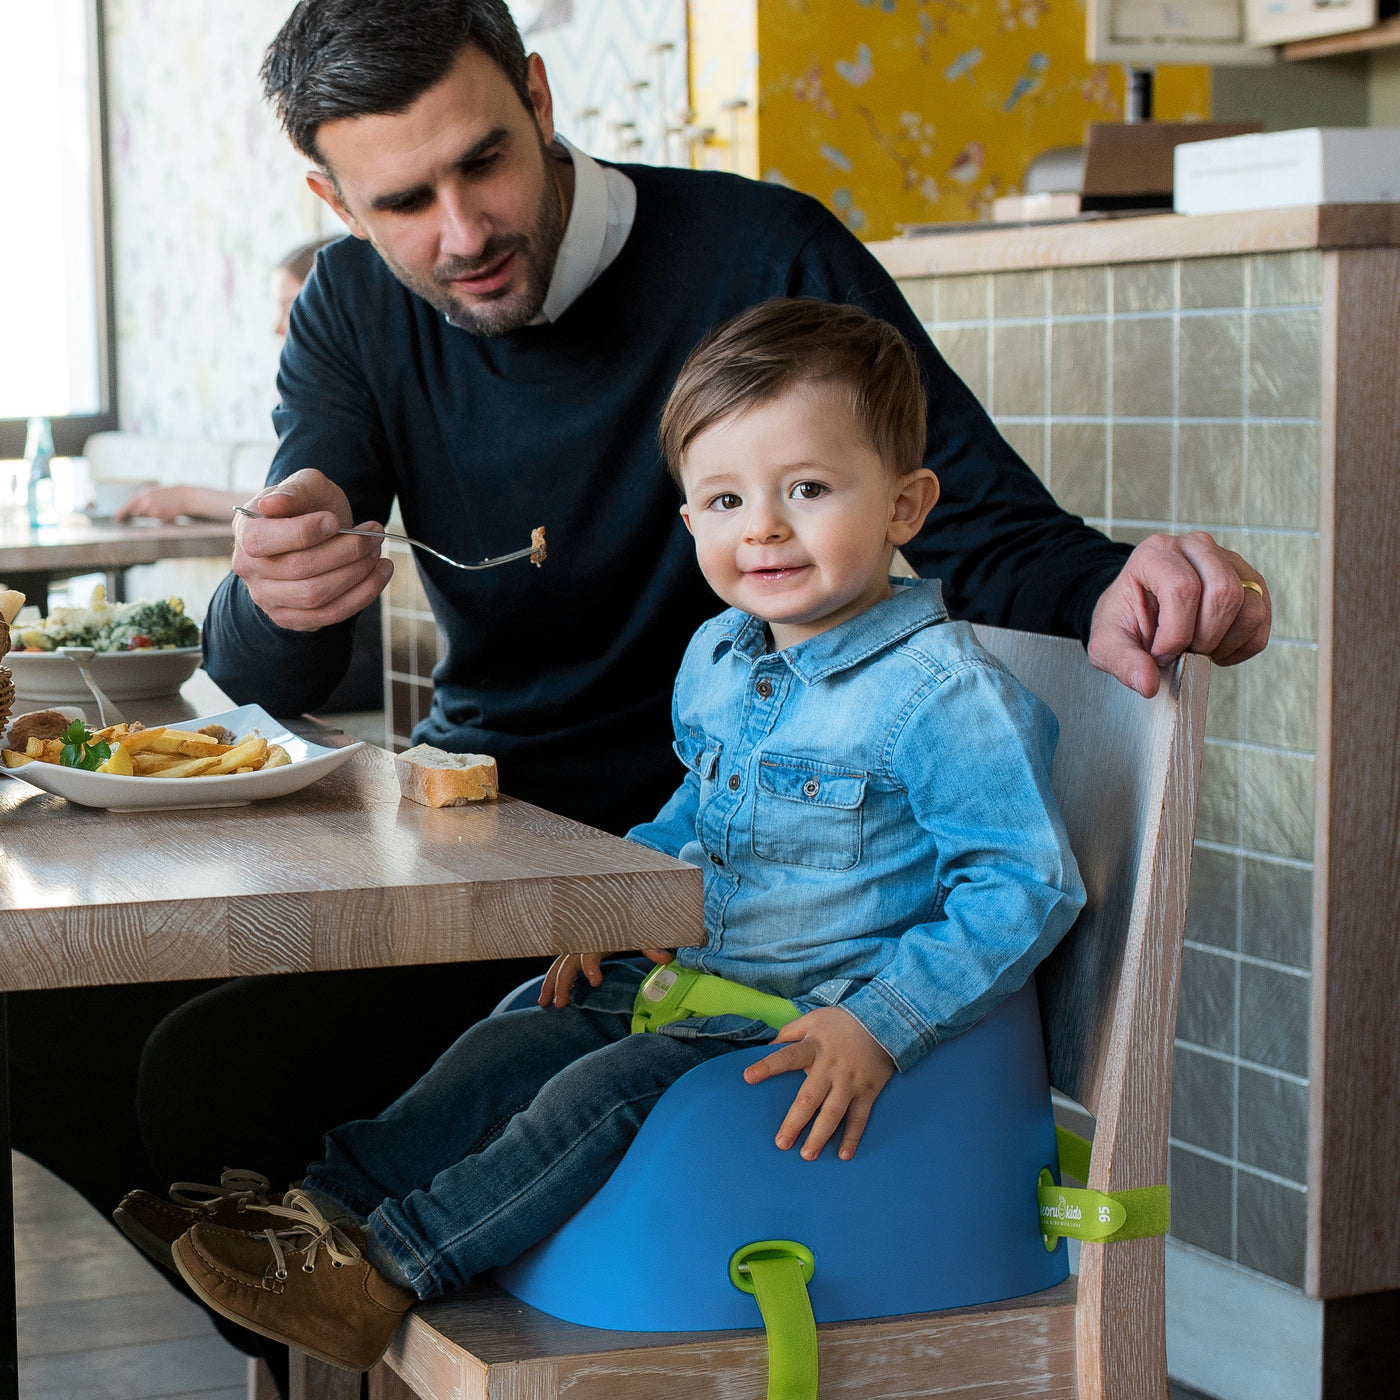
1253, 587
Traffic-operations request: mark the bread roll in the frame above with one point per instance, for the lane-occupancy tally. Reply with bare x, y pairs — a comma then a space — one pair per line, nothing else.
437, 778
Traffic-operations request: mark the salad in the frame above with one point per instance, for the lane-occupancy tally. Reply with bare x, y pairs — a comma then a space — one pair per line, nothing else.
105, 626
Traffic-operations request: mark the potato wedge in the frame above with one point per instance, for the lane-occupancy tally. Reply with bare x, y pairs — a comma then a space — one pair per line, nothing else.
250, 751
11, 759
277, 757
188, 768
139, 740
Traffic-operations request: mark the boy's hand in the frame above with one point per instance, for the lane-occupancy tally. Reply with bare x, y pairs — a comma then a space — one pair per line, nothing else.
846, 1069
564, 970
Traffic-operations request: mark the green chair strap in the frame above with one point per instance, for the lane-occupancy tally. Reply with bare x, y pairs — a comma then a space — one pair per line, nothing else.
1081, 1214
777, 1272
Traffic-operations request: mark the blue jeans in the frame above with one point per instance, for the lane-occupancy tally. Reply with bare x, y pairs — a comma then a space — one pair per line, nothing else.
513, 1128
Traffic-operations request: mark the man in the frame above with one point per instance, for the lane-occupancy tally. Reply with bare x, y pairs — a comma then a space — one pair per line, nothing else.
493, 348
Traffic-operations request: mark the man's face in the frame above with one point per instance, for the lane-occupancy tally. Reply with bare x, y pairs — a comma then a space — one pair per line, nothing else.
457, 193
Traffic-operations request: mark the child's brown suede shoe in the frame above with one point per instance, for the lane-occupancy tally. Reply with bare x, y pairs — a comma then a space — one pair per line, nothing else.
153, 1224
305, 1283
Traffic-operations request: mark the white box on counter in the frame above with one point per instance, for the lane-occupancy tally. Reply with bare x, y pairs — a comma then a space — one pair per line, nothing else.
1279, 169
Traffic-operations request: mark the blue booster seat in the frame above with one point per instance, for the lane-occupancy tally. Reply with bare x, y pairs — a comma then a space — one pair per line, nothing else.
938, 1208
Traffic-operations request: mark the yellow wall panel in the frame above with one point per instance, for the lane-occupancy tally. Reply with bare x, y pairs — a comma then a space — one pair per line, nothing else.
906, 111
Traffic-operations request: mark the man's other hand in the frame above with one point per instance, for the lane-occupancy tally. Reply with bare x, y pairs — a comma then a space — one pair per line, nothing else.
1177, 594
301, 573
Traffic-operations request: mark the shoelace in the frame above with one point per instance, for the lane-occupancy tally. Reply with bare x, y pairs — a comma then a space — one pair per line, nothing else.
251, 1189
309, 1225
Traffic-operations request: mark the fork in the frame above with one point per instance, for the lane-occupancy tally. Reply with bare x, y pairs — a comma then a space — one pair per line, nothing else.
81, 657
526, 553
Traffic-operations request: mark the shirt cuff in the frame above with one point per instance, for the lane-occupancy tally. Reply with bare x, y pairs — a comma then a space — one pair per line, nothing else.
904, 1035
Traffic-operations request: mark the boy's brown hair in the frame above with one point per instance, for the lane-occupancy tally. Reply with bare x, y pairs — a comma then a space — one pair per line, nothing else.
769, 348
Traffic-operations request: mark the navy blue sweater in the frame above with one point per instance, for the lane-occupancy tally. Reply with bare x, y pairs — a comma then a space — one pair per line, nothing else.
564, 673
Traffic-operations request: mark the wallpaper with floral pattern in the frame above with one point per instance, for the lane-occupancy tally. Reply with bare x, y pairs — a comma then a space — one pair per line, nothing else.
905, 111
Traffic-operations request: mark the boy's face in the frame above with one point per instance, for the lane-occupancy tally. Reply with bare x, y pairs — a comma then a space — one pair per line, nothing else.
794, 514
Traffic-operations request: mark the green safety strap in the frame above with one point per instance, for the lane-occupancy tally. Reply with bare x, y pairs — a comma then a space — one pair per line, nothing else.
671, 993
777, 1273
1081, 1214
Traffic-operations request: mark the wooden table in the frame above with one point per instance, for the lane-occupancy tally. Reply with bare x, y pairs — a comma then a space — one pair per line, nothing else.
343, 874
31, 557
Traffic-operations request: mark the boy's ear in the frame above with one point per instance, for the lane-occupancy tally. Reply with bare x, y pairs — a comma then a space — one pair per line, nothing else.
917, 495
685, 515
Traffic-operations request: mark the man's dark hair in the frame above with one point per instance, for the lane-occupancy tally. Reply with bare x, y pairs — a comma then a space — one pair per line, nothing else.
358, 58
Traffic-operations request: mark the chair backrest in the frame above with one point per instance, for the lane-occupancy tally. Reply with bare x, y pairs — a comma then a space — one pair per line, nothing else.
1126, 773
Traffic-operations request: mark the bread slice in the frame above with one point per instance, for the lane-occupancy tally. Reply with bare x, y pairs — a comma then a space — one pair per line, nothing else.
437, 778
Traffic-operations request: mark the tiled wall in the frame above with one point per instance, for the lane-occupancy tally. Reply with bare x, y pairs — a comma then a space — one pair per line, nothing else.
412, 645
1176, 396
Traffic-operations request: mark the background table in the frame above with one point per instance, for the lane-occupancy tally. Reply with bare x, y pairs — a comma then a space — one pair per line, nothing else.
31, 557
343, 874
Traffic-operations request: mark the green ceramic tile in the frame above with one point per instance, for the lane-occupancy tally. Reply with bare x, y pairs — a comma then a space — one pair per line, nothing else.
1078, 291
1203, 1101
1202, 1195
1210, 474
1283, 474
963, 298
1289, 563
1276, 803
1223, 707
1286, 279
965, 349
1273, 1124
1144, 287
1212, 907
1274, 1008
1018, 370
1079, 468
1210, 366
1142, 471
1079, 368
1028, 442
1276, 916
1132, 535
1280, 690
1217, 818
1272, 1228
1212, 282
1206, 1014
1285, 364
919, 293
1019, 294
1142, 369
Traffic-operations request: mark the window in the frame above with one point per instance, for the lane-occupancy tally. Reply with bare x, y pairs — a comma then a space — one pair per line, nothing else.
56, 347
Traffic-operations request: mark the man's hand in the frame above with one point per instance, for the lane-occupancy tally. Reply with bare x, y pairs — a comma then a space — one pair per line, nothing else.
298, 570
846, 1069
564, 970
1176, 594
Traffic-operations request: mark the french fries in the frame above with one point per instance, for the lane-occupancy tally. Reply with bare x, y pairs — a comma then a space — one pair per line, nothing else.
162, 752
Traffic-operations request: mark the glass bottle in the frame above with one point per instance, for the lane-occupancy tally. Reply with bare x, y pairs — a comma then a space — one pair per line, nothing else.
38, 453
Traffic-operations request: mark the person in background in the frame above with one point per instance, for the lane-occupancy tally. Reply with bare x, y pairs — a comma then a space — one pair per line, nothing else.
205, 502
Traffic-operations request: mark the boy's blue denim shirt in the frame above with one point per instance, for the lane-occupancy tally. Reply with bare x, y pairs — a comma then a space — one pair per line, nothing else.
873, 813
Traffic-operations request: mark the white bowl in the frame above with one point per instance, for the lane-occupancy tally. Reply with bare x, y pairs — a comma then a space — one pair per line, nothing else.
118, 794
123, 675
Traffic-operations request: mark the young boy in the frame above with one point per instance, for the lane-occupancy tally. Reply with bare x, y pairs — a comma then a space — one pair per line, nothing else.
867, 791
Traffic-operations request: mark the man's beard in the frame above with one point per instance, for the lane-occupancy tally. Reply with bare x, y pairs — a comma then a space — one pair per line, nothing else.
509, 309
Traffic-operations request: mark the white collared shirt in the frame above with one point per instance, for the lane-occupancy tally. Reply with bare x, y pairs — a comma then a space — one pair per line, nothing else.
604, 206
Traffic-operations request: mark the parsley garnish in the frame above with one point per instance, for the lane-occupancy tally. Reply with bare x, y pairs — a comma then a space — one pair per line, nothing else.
81, 750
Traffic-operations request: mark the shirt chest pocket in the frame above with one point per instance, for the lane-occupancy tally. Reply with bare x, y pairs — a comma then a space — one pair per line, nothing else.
807, 813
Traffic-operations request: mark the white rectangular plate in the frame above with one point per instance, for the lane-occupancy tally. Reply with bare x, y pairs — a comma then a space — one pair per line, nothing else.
117, 794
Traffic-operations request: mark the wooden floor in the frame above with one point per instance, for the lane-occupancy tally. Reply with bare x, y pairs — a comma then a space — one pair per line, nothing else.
96, 1319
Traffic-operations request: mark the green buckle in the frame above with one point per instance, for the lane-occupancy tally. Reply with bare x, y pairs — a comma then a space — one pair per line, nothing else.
671, 993
1080, 1214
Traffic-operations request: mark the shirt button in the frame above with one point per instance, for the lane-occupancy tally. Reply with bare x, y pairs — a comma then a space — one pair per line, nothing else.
811, 787
717, 860
734, 782
764, 688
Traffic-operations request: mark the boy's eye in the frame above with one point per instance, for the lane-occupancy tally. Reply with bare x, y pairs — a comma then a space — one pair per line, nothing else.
726, 501
808, 491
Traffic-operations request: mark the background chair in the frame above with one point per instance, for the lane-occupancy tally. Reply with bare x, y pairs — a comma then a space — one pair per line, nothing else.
1125, 773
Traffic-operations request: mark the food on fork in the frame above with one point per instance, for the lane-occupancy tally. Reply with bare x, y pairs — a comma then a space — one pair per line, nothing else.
133, 751
537, 545
436, 778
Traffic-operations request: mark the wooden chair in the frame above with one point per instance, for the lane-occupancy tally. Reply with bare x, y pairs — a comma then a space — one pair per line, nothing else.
1125, 773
